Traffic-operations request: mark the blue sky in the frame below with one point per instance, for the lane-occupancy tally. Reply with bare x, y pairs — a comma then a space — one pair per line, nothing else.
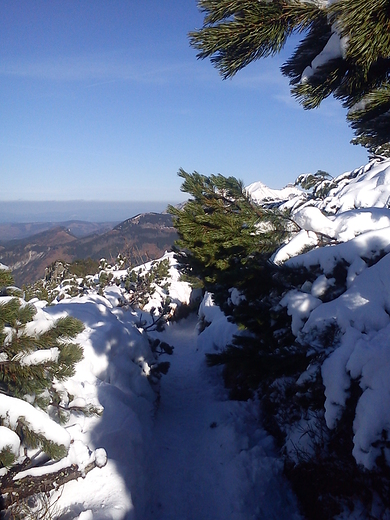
105, 100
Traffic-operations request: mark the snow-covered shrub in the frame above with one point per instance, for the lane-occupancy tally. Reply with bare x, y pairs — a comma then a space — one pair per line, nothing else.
37, 355
312, 339
63, 279
346, 333
319, 184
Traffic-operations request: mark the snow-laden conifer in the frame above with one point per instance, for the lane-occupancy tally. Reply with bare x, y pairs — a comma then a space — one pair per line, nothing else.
36, 357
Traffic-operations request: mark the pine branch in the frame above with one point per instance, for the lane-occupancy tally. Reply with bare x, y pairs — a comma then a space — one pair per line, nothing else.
6, 278
236, 33
367, 27
14, 490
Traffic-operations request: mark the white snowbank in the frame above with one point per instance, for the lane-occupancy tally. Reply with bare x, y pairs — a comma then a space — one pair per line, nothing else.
365, 305
299, 306
359, 219
367, 245
11, 409
219, 331
295, 246
9, 440
366, 187
311, 218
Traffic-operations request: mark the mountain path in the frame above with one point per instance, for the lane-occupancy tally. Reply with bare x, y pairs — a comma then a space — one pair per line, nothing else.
202, 464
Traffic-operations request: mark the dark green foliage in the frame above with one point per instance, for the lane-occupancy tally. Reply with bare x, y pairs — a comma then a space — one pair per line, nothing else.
319, 183
365, 26
237, 32
265, 358
371, 121
56, 274
36, 357
159, 319
33, 363
222, 234
161, 368
74, 277
265, 351
7, 458
18, 378
141, 284
33, 439
37, 290
226, 241
104, 280
327, 480
161, 347
6, 284
6, 278
81, 268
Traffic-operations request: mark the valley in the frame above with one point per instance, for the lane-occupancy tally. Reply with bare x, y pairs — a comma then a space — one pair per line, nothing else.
141, 238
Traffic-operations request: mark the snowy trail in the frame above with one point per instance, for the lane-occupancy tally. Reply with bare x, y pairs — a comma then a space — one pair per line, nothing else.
201, 467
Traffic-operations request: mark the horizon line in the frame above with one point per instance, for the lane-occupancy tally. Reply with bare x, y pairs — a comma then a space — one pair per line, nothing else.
91, 200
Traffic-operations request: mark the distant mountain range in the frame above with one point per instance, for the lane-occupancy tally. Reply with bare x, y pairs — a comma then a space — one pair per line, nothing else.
79, 228
84, 210
140, 238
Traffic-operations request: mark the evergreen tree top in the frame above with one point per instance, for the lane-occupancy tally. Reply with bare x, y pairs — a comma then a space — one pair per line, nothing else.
220, 229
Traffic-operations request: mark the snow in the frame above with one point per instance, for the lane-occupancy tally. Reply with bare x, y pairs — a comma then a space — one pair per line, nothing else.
11, 409
366, 187
40, 356
188, 452
364, 305
333, 49
367, 245
179, 448
219, 331
357, 222
10, 440
299, 306
112, 376
297, 245
208, 458
311, 219
78, 454
259, 192
175, 449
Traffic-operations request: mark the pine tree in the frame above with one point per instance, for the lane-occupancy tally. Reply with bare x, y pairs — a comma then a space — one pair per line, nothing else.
226, 241
34, 362
344, 52
222, 232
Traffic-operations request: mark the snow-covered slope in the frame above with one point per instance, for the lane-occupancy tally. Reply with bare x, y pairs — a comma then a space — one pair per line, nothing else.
259, 192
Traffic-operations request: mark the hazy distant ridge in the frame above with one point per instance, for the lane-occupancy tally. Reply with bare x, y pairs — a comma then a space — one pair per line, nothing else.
78, 228
62, 211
